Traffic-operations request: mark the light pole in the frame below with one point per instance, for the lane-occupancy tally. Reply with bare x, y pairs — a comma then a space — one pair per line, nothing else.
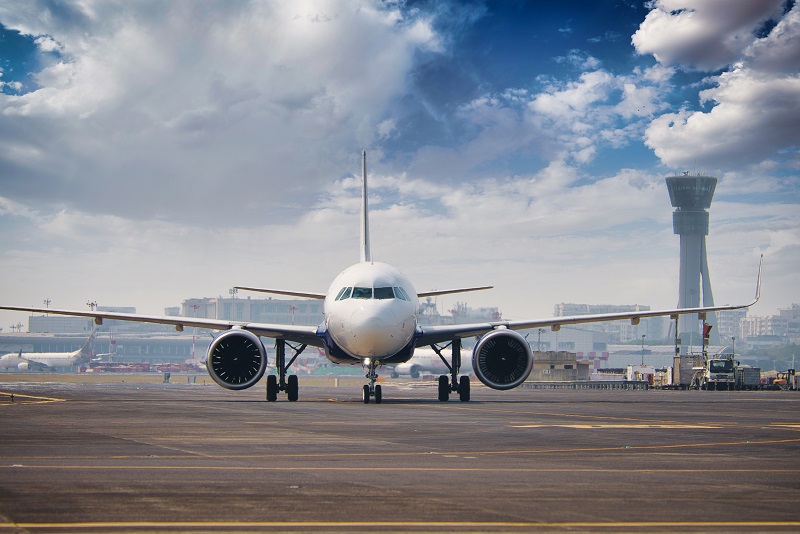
233, 291
733, 345
643, 349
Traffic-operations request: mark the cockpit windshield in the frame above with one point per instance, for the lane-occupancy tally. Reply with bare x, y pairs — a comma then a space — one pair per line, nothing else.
379, 293
384, 293
362, 292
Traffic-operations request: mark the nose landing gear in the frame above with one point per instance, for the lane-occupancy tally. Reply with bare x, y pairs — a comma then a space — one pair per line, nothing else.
372, 390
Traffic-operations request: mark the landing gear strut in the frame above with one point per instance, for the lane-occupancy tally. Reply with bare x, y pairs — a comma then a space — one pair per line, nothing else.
371, 390
452, 383
282, 382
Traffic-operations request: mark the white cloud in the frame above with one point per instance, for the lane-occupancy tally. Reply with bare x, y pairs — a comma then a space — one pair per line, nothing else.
755, 105
705, 35
202, 103
754, 117
780, 50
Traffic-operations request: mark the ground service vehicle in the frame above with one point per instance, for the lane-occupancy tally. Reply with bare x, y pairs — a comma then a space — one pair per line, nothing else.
718, 373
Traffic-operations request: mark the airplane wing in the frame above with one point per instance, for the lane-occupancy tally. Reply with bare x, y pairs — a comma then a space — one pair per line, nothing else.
297, 334
436, 293
300, 294
442, 334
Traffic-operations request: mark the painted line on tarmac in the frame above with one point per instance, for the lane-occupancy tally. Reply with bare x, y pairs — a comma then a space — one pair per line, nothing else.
384, 469
637, 426
439, 525
396, 454
27, 399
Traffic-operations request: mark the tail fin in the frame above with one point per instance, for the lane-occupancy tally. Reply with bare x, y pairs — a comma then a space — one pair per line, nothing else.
366, 253
86, 350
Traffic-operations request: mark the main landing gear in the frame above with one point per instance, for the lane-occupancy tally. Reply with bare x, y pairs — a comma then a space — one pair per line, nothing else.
452, 383
371, 390
281, 382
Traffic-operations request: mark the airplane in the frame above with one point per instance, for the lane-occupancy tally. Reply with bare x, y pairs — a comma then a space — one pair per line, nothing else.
370, 319
426, 361
37, 361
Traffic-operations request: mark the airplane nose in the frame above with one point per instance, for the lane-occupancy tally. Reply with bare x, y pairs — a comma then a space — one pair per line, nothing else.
372, 334
366, 326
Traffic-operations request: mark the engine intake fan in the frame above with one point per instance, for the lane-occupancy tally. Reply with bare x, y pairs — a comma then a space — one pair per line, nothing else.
236, 359
502, 359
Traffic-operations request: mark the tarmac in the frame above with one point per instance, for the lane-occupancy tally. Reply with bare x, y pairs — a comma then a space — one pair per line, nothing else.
143, 456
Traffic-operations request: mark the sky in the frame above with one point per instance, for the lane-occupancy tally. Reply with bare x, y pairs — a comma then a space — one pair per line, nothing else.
156, 151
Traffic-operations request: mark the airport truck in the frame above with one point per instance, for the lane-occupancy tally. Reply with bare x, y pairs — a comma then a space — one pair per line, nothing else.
718, 373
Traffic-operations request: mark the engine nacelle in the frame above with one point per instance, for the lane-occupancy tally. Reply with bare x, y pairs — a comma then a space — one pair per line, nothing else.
236, 359
502, 359
23, 366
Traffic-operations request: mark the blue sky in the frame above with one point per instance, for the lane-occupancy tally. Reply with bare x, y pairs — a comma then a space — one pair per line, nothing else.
155, 151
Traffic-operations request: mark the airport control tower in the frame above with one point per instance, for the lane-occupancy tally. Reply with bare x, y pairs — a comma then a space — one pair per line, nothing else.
691, 196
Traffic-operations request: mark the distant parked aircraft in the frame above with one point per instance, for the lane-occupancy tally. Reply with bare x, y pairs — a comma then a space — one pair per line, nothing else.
427, 361
37, 361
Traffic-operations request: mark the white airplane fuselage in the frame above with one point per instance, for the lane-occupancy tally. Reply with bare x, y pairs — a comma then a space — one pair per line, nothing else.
370, 314
33, 360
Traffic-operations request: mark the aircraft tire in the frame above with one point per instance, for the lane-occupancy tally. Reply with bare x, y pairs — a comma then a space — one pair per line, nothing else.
378, 394
365, 394
272, 388
444, 388
292, 388
463, 389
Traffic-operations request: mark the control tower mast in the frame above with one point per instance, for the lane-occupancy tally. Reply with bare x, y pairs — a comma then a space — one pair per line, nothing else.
691, 196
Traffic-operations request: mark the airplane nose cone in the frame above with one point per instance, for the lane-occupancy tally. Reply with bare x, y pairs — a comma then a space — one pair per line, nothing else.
372, 335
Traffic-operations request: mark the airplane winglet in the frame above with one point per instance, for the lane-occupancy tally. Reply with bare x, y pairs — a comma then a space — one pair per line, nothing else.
366, 253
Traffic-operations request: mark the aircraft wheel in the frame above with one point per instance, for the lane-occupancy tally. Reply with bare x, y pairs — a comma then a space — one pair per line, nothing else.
272, 388
292, 388
463, 389
378, 395
365, 394
444, 388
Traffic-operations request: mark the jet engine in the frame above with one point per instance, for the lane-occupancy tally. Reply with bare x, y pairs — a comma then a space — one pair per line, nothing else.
502, 359
236, 359
23, 366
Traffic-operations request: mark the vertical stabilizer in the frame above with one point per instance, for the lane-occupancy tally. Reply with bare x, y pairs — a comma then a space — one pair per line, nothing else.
366, 254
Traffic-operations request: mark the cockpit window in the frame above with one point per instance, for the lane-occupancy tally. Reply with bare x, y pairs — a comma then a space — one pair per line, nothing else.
401, 294
384, 293
362, 292
344, 293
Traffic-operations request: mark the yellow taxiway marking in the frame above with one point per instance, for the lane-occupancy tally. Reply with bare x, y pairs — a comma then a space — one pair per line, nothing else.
616, 425
28, 399
786, 426
101, 525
